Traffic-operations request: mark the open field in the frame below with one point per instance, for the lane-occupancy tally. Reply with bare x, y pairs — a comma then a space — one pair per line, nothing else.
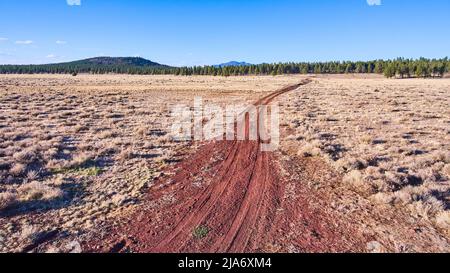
364, 165
77, 151
389, 142
391, 139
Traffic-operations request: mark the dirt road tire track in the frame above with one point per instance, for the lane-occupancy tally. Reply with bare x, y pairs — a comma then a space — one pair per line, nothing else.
241, 203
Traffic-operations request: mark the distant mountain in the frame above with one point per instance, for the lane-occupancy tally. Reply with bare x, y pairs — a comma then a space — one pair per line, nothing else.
233, 63
97, 65
114, 61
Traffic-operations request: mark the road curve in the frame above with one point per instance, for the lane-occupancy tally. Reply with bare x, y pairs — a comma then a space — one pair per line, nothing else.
234, 194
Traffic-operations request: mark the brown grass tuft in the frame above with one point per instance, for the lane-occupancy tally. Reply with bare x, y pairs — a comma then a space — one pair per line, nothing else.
355, 181
443, 220
7, 199
446, 170
37, 191
309, 150
18, 169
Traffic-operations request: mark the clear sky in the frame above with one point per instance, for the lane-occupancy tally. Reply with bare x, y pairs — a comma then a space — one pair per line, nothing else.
189, 32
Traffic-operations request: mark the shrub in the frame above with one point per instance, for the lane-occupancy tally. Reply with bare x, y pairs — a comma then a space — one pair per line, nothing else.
443, 220
350, 164
446, 170
424, 209
32, 175
309, 150
126, 154
200, 232
38, 191
25, 156
355, 180
94, 171
141, 131
382, 198
18, 169
7, 199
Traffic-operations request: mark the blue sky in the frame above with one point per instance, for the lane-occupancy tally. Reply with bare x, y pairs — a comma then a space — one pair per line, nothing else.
188, 32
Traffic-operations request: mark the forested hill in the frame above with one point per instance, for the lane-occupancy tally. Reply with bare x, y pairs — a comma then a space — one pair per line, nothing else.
97, 65
124, 61
400, 68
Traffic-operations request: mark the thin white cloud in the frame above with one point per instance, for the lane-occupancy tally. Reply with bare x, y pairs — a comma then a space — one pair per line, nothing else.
3, 53
50, 56
26, 42
2, 39
374, 2
74, 2
59, 42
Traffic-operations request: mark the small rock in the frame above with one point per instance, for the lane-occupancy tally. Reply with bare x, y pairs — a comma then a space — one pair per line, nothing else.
375, 247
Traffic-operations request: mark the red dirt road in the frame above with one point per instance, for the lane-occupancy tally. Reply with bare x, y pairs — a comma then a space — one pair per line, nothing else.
237, 195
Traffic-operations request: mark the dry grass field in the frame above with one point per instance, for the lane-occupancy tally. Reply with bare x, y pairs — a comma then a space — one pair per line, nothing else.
78, 152
389, 140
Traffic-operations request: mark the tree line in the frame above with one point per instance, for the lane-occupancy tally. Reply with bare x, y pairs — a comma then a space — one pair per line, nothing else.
91, 69
400, 68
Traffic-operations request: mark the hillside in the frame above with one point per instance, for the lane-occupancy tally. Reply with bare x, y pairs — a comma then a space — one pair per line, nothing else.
116, 61
97, 65
233, 63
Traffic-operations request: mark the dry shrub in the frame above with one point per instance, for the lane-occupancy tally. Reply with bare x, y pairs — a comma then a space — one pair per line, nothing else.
18, 169
395, 180
442, 157
80, 160
29, 233
379, 185
54, 164
38, 191
446, 170
443, 220
426, 209
108, 148
32, 175
367, 139
382, 198
7, 199
106, 134
405, 196
350, 164
25, 156
309, 150
50, 154
141, 131
373, 171
355, 181
79, 128
164, 139
125, 154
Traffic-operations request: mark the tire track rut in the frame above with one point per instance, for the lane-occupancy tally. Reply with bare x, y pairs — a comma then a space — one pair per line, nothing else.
242, 207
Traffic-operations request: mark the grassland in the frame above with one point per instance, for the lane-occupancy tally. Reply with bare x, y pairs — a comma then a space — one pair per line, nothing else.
388, 140
78, 153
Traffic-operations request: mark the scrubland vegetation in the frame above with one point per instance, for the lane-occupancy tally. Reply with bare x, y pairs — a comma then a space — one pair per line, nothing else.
388, 139
75, 152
